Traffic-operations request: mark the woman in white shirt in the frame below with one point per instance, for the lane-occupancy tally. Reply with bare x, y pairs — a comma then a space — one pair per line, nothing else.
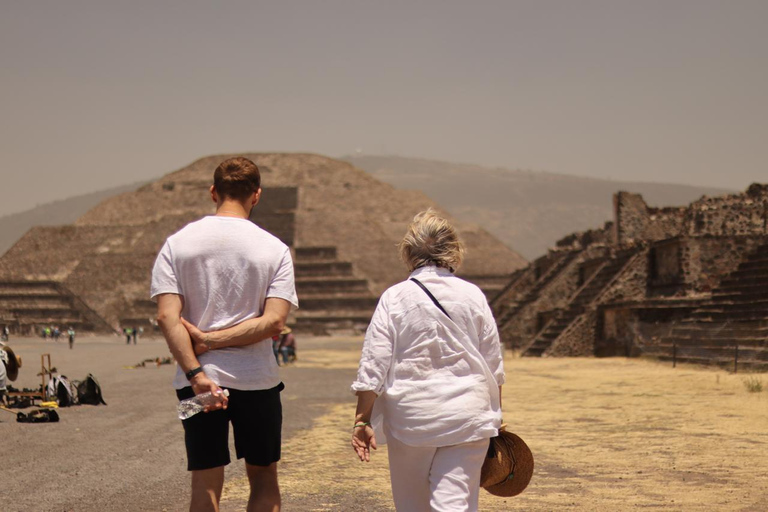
430, 376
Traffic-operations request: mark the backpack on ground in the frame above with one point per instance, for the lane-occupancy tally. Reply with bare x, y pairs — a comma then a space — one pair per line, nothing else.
89, 391
63, 390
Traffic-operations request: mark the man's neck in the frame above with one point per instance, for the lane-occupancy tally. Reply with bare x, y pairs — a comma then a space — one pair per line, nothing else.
232, 209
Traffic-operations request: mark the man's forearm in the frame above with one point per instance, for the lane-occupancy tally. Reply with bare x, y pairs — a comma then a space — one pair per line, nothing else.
179, 344
246, 333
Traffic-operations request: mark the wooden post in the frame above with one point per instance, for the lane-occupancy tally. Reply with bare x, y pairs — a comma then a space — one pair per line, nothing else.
674, 355
736, 359
43, 372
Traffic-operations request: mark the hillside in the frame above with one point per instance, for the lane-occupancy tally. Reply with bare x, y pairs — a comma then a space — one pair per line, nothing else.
527, 210
65, 211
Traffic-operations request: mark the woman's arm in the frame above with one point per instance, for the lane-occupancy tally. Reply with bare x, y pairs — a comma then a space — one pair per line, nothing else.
363, 438
269, 324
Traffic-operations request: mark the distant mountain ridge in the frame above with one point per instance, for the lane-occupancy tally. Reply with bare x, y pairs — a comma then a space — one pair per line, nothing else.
65, 211
527, 210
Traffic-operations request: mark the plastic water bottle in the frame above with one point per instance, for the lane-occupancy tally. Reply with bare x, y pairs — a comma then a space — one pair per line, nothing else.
196, 404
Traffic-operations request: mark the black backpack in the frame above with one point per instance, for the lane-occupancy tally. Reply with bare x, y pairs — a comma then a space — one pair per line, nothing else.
89, 391
64, 394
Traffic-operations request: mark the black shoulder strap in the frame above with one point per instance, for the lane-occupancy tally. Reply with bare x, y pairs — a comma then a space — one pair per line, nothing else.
431, 296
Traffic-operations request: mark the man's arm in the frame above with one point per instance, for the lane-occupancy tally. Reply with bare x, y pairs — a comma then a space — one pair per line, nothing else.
169, 306
251, 331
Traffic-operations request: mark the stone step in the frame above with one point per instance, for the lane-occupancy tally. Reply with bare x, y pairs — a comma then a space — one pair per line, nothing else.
730, 315
735, 305
723, 341
347, 302
310, 285
756, 294
323, 322
535, 350
309, 254
754, 264
745, 276
13, 292
34, 314
718, 334
34, 301
323, 268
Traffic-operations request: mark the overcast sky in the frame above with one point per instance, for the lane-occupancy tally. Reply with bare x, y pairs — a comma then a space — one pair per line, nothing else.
96, 94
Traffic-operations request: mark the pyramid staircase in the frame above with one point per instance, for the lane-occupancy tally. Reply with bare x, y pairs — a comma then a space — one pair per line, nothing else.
579, 303
533, 293
27, 306
490, 284
331, 297
734, 320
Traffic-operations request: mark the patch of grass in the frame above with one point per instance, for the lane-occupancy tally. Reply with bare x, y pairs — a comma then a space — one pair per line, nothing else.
753, 384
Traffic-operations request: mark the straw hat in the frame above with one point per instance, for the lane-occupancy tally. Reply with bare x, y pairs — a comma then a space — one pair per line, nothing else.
286, 330
508, 467
13, 365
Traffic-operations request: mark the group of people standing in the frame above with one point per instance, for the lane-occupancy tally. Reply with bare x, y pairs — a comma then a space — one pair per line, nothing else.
131, 333
53, 332
430, 374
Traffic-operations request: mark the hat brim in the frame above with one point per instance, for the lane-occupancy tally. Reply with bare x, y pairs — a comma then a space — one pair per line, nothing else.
515, 454
14, 363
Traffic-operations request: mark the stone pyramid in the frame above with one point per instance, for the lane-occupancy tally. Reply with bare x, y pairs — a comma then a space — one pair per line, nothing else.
342, 224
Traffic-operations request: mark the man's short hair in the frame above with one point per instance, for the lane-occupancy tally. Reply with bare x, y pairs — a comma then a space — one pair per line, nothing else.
236, 178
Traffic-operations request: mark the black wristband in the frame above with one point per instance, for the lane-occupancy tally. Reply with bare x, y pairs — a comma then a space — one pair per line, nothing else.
194, 371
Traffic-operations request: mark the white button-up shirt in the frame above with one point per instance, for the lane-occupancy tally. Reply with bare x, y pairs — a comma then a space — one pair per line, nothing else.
437, 378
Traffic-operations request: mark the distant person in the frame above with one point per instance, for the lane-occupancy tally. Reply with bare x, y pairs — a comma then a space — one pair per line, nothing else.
225, 272
127, 331
47, 333
71, 334
432, 365
56, 333
6, 333
134, 333
288, 345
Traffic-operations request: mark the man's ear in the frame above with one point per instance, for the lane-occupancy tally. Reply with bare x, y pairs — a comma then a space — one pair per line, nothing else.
214, 195
256, 197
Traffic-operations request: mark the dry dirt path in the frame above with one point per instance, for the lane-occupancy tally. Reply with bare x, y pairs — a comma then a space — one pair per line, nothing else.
608, 435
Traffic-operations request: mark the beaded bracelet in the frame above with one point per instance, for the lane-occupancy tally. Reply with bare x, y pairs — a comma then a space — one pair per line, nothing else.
366, 424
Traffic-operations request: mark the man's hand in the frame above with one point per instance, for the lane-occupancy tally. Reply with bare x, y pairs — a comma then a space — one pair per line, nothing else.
202, 384
198, 337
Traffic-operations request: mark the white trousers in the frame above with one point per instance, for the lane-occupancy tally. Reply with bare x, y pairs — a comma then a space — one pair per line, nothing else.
436, 479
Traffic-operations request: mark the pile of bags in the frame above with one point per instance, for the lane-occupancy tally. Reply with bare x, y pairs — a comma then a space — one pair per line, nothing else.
86, 391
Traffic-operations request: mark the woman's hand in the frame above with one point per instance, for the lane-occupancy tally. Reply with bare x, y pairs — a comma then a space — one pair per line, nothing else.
363, 440
198, 338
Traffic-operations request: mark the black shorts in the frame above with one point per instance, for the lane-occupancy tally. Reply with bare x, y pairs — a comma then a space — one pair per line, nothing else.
257, 419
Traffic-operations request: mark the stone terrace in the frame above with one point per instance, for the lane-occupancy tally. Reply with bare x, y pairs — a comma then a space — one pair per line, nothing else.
653, 281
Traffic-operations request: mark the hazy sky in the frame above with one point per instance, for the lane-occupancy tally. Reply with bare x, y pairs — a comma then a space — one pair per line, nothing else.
96, 94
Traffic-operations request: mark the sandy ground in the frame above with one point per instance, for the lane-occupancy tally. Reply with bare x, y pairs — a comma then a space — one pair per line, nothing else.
607, 434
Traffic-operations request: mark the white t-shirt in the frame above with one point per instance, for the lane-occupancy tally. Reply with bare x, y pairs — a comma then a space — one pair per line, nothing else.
225, 268
435, 376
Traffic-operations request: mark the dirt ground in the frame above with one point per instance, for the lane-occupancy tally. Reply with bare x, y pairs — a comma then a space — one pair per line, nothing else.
607, 434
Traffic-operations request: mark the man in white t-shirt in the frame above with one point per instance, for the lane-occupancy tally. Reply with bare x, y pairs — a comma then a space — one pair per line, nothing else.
232, 282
